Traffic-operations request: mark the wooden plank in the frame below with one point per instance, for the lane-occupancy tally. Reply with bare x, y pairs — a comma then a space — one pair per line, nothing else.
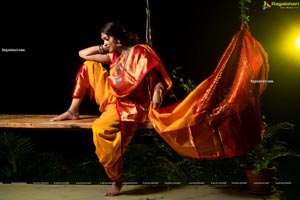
43, 122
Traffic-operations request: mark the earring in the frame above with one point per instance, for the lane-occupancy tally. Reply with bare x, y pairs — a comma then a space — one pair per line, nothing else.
119, 43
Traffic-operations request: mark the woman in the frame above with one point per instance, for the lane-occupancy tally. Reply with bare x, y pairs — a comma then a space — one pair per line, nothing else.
125, 93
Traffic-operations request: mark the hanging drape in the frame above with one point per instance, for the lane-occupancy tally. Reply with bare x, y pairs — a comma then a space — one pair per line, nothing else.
221, 116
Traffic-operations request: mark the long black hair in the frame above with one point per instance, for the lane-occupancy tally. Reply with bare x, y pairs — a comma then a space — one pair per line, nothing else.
118, 31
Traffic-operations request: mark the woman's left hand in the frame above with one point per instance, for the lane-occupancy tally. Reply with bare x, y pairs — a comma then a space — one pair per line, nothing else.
157, 97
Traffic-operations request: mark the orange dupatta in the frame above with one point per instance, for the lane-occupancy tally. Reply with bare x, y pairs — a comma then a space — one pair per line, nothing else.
221, 116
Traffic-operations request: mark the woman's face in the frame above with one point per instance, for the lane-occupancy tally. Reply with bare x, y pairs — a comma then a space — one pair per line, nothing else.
110, 43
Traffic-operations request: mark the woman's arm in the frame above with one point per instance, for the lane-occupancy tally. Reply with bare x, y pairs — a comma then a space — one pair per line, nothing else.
94, 53
157, 86
157, 95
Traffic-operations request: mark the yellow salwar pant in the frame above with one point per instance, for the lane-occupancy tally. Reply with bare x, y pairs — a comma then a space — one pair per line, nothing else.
107, 140
111, 133
106, 129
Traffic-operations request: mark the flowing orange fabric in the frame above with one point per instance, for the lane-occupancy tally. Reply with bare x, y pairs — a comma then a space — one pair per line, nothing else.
221, 116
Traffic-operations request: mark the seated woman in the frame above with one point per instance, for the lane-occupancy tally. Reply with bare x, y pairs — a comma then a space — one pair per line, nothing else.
136, 79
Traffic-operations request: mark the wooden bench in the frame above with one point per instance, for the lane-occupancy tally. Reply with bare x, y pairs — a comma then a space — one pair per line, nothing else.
36, 121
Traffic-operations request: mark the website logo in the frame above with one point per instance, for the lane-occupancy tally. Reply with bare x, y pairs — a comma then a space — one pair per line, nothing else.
281, 5
266, 5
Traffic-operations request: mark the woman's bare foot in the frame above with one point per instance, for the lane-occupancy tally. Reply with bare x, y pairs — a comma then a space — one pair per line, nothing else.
115, 189
68, 115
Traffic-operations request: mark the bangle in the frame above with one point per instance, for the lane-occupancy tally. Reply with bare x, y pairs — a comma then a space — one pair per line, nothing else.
100, 49
159, 87
72, 113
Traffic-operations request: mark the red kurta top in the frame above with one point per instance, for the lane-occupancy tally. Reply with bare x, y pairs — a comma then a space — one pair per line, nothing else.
133, 76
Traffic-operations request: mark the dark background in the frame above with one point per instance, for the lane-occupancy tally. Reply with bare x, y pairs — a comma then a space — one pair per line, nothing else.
185, 34
188, 34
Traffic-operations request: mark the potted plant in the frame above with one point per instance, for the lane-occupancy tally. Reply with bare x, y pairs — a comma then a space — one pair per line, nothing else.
260, 164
